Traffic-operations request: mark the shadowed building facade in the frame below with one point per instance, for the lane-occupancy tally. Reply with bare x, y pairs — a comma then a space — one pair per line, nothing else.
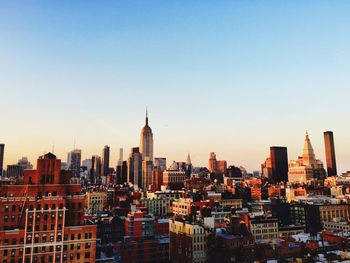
279, 164
330, 153
2, 150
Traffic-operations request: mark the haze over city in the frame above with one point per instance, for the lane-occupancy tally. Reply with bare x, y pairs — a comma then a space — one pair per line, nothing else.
230, 77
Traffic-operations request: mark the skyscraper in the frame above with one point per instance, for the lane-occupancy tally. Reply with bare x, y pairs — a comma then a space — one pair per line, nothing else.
2, 150
135, 167
147, 168
95, 175
146, 141
74, 161
120, 160
212, 162
105, 160
330, 153
279, 164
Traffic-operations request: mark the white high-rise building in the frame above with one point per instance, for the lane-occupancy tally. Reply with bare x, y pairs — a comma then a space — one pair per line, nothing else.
306, 167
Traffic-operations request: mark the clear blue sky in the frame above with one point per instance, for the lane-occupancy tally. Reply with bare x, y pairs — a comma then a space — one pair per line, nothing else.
234, 77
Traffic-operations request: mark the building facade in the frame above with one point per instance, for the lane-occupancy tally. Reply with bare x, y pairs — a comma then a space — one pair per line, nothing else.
105, 160
279, 164
43, 218
146, 141
74, 162
2, 152
306, 167
330, 153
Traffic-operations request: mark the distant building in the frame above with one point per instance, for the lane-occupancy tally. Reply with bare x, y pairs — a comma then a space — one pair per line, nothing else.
95, 175
2, 151
189, 166
24, 163
182, 206
135, 167
160, 162
147, 168
17, 170
216, 166
264, 229
74, 162
120, 160
139, 226
95, 202
157, 206
88, 164
122, 173
306, 167
14, 171
146, 142
105, 160
279, 164
330, 153
157, 178
174, 179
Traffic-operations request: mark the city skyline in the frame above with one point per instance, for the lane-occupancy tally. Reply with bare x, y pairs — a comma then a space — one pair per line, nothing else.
114, 157
232, 78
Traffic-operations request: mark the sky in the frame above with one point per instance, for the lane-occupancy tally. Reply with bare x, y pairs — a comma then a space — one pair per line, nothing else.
233, 77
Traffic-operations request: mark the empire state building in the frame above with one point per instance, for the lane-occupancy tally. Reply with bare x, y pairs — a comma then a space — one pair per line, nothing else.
146, 142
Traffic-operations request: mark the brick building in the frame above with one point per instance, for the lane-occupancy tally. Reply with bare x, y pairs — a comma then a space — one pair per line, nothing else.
43, 218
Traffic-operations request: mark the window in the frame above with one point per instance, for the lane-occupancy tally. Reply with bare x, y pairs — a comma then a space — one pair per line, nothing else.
13, 208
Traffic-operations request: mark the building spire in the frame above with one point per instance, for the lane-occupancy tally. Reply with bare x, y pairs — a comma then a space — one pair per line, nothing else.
146, 116
188, 159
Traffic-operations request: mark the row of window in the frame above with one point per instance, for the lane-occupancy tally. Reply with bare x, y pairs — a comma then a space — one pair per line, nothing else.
43, 249
50, 258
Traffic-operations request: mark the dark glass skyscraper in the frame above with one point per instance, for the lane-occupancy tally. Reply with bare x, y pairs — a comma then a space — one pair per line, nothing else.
105, 160
2, 150
279, 163
330, 153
